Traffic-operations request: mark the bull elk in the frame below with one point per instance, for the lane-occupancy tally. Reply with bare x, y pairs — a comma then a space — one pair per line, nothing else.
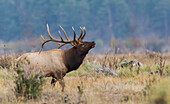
57, 62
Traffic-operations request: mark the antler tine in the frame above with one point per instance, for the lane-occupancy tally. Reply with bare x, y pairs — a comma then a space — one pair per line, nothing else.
64, 32
49, 32
60, 36
84, 33
74, 34
60, 45
41, 49
80, 34
42, 38
45, 41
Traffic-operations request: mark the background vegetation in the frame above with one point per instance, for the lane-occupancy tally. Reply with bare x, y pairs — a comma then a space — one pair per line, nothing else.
145, 22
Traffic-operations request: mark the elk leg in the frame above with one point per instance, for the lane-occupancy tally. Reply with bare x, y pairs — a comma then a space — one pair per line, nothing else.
62, 83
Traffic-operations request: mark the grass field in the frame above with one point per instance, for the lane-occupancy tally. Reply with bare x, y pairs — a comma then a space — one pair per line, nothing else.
85, 86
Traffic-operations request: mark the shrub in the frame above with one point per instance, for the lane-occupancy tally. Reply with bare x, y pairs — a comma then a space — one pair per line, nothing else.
28, 84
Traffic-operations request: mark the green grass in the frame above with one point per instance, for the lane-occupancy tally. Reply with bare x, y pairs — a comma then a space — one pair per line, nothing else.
160, 93
126, 73
83, 70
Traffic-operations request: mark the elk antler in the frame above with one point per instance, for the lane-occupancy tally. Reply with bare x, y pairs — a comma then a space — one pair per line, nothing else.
63, 42
84, 33
80, 34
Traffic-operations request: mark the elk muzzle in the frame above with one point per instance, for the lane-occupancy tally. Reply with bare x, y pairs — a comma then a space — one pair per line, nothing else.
93, 44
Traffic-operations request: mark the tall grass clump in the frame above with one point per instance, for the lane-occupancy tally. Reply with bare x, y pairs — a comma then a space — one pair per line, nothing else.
7, 61
161, 65
28, 84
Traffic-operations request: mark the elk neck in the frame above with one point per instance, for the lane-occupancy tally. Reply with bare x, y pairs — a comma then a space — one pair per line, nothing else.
73, 59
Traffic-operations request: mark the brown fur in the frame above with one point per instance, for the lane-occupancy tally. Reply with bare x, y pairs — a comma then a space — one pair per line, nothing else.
56, 62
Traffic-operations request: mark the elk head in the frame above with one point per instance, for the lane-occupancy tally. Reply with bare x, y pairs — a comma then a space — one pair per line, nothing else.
80, 47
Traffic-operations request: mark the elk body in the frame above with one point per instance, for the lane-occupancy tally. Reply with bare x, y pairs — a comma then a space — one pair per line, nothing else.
57, 62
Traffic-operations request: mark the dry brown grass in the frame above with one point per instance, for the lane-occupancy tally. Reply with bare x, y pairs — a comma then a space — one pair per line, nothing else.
95, 88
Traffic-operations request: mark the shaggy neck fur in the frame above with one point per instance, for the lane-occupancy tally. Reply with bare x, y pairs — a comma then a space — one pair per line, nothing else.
73, 59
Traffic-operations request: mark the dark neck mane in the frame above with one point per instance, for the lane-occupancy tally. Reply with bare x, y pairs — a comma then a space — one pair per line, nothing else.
73, 59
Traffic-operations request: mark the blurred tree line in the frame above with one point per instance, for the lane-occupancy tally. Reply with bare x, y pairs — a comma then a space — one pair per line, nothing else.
24, 19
